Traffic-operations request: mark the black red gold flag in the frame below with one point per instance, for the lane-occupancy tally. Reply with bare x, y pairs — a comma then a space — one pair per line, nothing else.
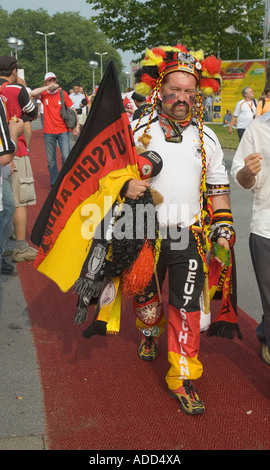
101, 161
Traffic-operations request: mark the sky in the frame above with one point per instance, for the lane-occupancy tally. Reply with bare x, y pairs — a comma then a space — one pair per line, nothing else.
59, 6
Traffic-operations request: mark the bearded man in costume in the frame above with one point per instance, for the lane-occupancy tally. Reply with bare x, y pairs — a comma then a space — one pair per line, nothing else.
193, 169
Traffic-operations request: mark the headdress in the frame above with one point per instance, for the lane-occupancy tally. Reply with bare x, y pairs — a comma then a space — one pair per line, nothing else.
162, 60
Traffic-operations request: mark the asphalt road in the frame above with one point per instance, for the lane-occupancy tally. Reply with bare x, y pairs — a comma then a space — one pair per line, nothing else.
22, 423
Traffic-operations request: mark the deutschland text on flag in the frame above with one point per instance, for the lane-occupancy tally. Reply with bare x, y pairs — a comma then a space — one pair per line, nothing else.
98, 166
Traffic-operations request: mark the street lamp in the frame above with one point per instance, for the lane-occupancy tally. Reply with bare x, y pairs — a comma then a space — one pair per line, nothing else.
93, 65
101, 68
16, 44
128, 79
46, 54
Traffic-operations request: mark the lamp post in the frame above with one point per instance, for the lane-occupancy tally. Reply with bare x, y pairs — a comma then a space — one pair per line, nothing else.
128, 79
101, 54
93, 65
46, 53
16, 44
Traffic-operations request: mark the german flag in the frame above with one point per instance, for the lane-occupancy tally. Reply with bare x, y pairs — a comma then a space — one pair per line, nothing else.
102, 160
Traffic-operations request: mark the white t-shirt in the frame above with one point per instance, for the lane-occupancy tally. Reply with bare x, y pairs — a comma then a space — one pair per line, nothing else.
256, 140
180, 177
245, 112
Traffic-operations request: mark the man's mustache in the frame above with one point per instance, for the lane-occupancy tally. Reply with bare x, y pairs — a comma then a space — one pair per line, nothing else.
171, 100
178, 102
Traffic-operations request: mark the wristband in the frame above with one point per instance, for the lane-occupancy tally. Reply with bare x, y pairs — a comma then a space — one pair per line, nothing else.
222, 226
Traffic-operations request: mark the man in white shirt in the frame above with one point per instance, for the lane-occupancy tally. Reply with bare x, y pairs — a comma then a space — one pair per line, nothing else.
77, 98
250, 170
244, 112
192, 159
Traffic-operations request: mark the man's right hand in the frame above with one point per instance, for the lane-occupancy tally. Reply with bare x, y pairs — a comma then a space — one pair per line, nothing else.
253, 164
247, 175
53, 87
137, 188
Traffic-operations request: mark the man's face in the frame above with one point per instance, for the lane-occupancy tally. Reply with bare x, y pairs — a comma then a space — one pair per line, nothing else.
249, 94
76, 89
51, 81
178, 93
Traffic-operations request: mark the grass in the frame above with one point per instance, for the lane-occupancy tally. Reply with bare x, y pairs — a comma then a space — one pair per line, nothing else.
226, 140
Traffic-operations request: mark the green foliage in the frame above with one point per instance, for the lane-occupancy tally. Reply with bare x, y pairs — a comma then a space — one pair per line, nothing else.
229, 141
135, 25
69, 51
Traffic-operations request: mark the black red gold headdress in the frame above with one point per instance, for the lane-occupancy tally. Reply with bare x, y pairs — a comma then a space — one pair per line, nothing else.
162, 60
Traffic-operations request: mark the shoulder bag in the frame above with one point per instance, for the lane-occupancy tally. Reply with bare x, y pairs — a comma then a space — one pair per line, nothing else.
67, 114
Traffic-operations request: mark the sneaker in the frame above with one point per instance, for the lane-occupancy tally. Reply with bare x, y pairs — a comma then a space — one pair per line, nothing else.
265, 354
189, 399
7, 268
148, 348
28, 254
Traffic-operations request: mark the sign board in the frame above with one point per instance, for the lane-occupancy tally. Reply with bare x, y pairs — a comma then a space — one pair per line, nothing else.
236, 75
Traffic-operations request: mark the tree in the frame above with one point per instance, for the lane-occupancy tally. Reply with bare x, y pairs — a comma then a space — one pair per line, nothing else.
135, 25
69, 51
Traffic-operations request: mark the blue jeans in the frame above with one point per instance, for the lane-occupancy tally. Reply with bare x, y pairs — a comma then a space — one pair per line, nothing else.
50, 146
8, 212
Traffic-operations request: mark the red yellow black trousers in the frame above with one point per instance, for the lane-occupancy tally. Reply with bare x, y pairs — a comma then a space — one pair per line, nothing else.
186, 280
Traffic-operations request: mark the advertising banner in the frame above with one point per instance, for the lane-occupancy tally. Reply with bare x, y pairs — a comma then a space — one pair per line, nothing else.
236, 75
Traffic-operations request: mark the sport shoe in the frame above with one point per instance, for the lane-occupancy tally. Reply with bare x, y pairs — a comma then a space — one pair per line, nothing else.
265, 354
189, 399
7, 268
28, 254
148, 348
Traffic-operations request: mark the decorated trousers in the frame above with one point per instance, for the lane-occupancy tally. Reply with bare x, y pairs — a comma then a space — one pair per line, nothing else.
186, 280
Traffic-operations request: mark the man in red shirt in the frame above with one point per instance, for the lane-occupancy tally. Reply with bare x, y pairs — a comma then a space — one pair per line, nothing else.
54, 127
18, 103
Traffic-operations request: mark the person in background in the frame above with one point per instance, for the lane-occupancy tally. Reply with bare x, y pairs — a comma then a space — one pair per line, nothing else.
9, 135
54, 127
227, 118
85, 105
141, 104
77, 97
264, 102
251, 170
244, 112
18, 104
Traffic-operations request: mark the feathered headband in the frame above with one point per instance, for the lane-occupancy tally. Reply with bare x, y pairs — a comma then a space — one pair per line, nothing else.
162, 60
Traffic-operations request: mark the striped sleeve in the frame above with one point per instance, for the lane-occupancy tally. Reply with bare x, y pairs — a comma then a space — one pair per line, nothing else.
6, 144
26, 104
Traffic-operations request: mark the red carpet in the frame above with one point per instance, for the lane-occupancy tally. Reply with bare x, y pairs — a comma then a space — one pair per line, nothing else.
99, 395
